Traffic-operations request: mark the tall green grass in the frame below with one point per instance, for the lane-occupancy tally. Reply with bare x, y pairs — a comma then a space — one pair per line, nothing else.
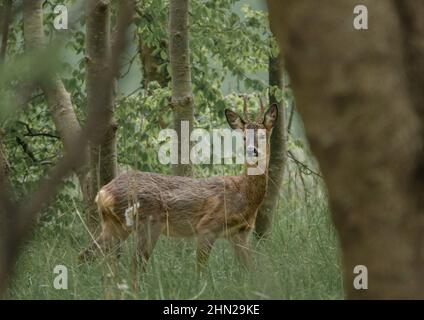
299, 261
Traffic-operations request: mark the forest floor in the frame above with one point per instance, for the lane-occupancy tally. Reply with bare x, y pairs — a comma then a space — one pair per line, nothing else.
300, 261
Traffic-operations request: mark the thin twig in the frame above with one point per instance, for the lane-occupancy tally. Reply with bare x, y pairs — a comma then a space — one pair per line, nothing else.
31, 133
26, 149
130, 64
291, 116
303, 166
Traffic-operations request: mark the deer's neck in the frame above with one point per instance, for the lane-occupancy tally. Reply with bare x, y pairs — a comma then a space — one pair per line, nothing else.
255, 187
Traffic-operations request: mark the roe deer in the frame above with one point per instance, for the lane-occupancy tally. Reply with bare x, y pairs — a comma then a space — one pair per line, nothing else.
152, 204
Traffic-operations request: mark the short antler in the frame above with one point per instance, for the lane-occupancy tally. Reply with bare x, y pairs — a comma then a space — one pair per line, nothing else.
261, 112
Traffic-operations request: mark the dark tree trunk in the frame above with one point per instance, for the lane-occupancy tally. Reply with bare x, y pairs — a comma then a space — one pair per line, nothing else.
360, 96
182, 97
277, 158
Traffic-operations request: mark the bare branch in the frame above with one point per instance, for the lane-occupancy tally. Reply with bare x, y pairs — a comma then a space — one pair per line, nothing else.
289, 126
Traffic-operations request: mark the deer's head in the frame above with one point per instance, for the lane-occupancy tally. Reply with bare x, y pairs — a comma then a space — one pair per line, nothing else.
256, 133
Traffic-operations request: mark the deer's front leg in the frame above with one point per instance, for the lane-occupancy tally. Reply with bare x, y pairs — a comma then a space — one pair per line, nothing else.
148, 233
240, 243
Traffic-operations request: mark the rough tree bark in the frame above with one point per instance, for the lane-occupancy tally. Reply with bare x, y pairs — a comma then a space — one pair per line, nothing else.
277, 158
58, 99
103, 157
356, 94
411, 14
182, 97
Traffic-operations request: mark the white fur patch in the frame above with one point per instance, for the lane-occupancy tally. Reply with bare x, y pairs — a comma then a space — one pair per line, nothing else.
130, 214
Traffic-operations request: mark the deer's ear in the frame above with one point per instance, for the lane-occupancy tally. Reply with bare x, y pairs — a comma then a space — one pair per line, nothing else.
234, 120
270, 117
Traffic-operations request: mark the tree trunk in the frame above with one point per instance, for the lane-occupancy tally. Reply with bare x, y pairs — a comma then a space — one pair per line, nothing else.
277, 158
360, 116
103, 157
411, 14
6, 12
58, 99
182, 97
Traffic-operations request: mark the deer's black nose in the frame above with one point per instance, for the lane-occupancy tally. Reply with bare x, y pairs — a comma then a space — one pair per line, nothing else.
252, 151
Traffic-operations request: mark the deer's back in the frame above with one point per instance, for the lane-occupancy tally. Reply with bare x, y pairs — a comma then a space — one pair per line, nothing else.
185, 205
